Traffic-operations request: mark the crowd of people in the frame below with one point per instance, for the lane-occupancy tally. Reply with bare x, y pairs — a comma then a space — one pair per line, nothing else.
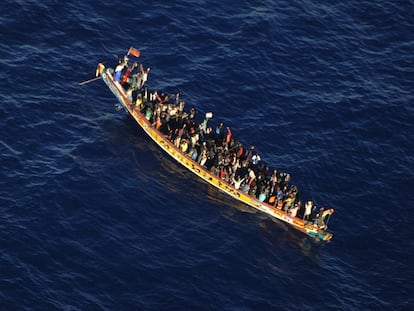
215, 147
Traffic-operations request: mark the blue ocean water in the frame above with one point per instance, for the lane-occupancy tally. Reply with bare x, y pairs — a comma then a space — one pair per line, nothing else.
93, 216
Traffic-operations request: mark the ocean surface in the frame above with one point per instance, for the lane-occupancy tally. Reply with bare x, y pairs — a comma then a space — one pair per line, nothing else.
94, 216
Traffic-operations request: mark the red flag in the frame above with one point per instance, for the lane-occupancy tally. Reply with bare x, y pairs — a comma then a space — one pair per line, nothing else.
134, 52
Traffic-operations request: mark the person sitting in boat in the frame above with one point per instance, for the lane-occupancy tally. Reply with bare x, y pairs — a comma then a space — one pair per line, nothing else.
181, 106
172, 110
236, 165
148, 113
289, 200
245, 187
174, 99
263, 190
204, 156
252, 175
157, 120
237, 182
294, 210
184, 145
194, 137
280, 197
194, 152
253, 189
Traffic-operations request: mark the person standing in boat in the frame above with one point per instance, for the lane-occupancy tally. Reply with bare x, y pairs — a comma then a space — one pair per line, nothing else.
127, 73
289, 200
308, 210
175, 99
135, 81
220, 133
294, 210
118, 69
320, 218
273, 180
255, 159
248, 154
144, 77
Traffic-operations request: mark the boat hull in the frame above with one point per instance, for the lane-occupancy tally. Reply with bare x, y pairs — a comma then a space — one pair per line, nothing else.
162, 141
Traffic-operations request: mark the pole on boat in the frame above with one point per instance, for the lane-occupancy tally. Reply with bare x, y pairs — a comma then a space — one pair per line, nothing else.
89, 81
99, 69
327, 221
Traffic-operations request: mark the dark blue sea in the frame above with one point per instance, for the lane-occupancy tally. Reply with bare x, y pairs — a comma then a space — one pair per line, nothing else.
94, 216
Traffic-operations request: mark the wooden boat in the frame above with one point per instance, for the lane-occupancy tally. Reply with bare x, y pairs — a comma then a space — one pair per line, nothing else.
310, 228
